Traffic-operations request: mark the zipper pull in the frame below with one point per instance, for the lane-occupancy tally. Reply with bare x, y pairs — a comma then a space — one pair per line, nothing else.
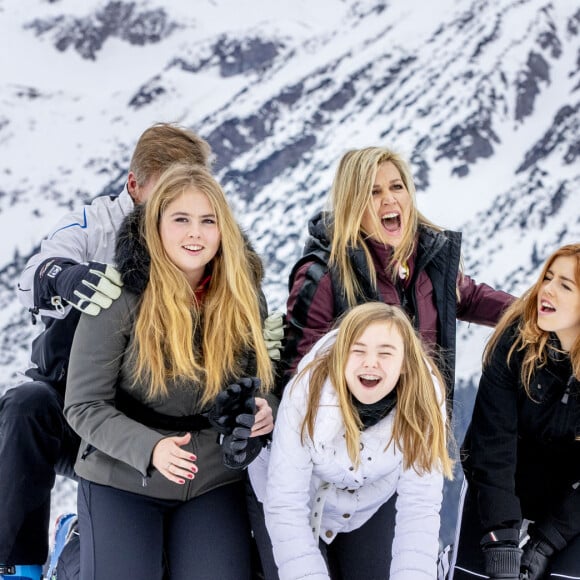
566, 394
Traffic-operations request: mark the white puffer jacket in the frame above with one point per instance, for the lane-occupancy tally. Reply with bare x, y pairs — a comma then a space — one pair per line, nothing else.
314, 487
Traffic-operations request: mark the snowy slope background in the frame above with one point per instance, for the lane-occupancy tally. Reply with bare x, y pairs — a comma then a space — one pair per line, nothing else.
483, 97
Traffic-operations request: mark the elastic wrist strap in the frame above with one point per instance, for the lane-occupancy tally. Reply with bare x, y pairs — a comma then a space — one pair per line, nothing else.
502, 560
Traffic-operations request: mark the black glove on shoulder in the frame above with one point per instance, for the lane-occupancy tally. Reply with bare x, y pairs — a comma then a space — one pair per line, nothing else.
501, 555
88, 287
237, 399
536, 558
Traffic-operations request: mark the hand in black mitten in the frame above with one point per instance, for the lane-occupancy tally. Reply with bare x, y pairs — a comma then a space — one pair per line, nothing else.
87, 287
237, 399
536, 558
239, 448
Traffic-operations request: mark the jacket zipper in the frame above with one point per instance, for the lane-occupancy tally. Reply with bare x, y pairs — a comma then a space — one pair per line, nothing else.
566, 394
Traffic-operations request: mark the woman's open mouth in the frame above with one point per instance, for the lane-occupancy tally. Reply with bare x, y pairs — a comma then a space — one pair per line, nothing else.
391, 222
369, 381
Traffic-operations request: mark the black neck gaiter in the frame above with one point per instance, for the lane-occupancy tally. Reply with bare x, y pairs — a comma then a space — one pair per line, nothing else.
371, 414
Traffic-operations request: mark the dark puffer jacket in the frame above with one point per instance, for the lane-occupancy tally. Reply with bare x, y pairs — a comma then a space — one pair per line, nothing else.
521, 455
429, 294
116, 449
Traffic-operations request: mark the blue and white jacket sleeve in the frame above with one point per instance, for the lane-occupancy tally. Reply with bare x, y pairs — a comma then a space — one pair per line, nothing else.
81, 236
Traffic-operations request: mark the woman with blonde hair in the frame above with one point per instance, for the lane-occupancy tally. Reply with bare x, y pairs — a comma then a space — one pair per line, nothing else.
165, 439
363, 418
521, 455
375, 245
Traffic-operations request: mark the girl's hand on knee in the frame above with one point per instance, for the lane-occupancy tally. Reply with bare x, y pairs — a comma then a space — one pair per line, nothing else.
172, 462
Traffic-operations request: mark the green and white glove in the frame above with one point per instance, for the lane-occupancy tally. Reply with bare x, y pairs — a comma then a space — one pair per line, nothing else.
274, 334
89, 287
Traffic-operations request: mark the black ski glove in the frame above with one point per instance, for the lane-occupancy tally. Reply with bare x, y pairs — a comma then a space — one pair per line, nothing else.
87, 287
536, 558
233, 415
237, 399
501, 555
239, 448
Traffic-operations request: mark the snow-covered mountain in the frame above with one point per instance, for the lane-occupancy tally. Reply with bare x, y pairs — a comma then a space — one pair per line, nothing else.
482, 96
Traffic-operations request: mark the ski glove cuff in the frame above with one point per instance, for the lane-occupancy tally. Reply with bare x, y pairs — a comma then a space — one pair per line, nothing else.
501, 555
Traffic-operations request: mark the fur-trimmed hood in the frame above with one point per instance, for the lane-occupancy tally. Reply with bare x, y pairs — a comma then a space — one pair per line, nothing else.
133, 260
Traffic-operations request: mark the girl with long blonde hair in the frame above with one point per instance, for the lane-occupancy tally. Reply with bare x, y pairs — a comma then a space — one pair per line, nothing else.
167, 389
363, 419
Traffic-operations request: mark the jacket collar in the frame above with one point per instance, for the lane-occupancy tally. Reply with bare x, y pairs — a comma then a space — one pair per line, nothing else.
131, 254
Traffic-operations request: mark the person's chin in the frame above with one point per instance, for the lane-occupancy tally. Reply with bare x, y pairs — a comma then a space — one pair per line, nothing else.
391, 238
368, 398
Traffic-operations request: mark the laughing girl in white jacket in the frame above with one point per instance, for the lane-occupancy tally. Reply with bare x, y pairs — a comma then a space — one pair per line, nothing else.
364, 418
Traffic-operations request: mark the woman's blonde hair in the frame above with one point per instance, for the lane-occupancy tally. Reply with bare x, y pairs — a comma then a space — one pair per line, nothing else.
531, 339
351, 197
170, 320
419, 429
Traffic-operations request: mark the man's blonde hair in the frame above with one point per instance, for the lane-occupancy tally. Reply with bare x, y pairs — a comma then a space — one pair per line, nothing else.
164, 144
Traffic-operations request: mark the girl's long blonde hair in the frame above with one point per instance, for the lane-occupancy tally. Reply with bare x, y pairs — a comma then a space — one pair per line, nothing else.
419, 429
351, 196
531, 339
170, 320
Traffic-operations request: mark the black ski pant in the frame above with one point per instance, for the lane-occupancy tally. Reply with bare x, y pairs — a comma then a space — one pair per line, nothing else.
127, 535
366, 551
467, 558
362, 553
36, 443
